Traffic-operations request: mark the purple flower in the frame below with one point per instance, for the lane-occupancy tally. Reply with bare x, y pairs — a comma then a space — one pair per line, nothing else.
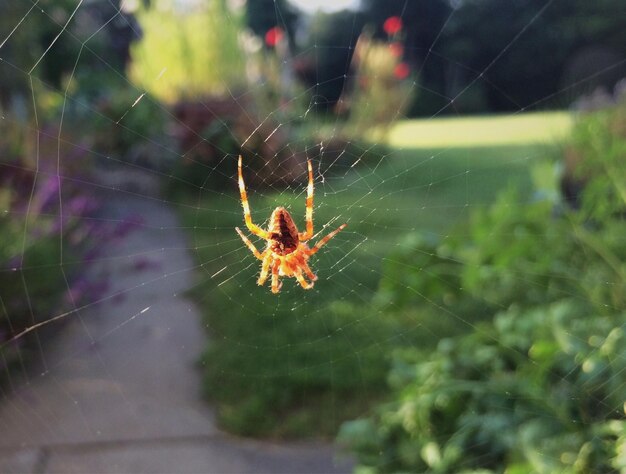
85, 290
144, 263
126, 225
91, 254
47, 194
14, 262
82, 205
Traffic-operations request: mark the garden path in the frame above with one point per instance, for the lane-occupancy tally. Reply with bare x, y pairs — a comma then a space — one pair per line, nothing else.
118, 389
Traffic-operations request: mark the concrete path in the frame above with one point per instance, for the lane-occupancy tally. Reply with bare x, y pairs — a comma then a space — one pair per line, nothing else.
118, 390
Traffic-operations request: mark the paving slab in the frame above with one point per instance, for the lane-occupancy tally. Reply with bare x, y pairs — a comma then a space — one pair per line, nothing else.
21, 461
219, 456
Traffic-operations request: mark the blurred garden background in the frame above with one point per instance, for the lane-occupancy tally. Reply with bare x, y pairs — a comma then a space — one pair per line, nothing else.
470, 318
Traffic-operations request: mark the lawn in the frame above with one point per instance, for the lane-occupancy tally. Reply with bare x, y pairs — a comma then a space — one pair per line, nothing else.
488, 130
301, 362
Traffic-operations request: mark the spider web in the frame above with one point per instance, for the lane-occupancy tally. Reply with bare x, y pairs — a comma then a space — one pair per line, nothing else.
165, 271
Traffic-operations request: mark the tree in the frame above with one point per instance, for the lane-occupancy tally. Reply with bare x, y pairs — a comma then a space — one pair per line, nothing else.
499, 56
522, 48
37, 48
327, 64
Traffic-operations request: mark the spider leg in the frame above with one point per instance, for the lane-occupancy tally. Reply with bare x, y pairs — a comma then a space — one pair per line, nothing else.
265, 268
303, 283
325, 240
312, 276
250, 245
276, 283
255, 229
304, 236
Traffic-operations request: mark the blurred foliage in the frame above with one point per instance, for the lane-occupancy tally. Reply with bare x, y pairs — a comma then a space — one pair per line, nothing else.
33, 236
25, 294
423, 26
562, 27
32, 282
48, 236
538, 388
37, 31
379, 96
600, 148
263, 15
465, 66
57, 57
130, 126
458, 60
212, 132
189, 53
325, 65
205, 135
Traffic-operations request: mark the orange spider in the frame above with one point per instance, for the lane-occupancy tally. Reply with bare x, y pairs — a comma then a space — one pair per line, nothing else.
286, 253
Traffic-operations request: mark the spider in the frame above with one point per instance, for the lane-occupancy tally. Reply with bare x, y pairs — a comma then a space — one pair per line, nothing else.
286, 253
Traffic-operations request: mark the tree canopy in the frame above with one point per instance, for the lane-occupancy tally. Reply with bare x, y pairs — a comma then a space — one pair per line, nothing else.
488, 55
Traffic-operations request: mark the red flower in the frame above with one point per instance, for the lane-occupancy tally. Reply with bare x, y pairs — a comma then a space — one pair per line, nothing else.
396, 49
401, 71
392, 25
273, 36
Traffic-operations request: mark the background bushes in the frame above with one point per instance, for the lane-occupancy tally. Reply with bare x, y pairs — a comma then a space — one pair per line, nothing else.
538, 386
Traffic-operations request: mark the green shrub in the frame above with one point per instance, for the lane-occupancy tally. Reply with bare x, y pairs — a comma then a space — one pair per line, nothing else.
380, 96
192, 53
129, 126
45, 250
539, 390
32, 280
207, 152
538, 386
595, 161
600, 142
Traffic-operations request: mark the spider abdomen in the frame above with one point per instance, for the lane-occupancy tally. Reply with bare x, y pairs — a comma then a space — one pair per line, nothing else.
283, 232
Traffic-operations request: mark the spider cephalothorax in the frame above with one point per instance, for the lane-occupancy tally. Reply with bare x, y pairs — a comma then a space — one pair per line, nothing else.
286, 253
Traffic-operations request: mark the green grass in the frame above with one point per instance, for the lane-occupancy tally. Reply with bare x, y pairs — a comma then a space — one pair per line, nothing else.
299, 363
489, 130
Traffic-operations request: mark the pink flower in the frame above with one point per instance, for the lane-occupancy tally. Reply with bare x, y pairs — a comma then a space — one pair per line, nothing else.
273, 36
396, 49
401, 71
392, 25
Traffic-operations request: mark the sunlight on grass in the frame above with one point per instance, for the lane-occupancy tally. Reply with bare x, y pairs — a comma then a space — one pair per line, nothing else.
491, 130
